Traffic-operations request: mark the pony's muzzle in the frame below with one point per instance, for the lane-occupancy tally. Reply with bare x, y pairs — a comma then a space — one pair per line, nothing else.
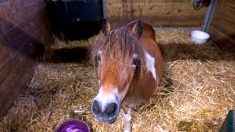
107, 113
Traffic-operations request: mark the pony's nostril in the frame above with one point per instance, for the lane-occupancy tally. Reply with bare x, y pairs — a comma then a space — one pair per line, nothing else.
96, 108
111, 108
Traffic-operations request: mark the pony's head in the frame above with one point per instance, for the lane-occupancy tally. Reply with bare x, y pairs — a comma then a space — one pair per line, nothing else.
118, 57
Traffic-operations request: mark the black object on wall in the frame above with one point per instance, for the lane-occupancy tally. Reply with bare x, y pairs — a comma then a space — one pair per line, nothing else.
75, 19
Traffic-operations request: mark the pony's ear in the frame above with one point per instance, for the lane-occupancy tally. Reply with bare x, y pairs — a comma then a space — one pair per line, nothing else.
105, 26
137, 29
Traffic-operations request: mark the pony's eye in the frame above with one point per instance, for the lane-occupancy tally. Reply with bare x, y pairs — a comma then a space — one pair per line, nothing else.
136, 62
97, 60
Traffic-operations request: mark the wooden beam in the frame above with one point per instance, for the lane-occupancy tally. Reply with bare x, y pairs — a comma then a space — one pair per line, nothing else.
157, 12
222, 24
24, 35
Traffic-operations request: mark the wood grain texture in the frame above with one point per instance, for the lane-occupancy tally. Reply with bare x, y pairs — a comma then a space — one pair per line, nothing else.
157, 12
223, 24
24, 36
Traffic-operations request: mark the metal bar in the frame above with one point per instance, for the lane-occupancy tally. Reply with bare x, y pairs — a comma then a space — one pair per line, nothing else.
209, 15
104, 8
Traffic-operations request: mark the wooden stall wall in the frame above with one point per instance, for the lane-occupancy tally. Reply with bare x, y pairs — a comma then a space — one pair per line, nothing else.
24, 35
158, 13
222, 28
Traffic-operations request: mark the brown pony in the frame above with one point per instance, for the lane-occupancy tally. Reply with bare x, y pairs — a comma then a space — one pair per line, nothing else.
128, 66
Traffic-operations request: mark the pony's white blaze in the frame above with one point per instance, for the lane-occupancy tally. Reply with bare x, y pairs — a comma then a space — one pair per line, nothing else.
150, 65
107, 97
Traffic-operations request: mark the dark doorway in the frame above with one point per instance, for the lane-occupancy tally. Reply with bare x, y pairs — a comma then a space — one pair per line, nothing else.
75, 19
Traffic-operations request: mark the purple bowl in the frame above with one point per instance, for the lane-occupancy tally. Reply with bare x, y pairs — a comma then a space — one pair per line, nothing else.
73, 125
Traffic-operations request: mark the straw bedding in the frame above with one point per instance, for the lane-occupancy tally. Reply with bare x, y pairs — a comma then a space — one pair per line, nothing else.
195, 93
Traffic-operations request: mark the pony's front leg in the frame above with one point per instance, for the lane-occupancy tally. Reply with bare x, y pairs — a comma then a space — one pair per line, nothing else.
127, 119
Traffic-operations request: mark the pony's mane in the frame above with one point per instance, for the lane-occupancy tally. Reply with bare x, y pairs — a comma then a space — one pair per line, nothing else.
119, 45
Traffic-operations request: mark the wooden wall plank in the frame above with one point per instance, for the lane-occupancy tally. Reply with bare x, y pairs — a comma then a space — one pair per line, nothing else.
157, 12
11, 87
223, 24
24, 35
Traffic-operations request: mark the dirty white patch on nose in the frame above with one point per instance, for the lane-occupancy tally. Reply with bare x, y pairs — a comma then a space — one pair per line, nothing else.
150, 64
104, 97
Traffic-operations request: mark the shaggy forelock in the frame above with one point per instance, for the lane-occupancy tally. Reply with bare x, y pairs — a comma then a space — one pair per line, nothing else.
119, 45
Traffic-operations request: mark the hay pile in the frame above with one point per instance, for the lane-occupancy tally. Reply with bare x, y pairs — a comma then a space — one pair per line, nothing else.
195, 94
